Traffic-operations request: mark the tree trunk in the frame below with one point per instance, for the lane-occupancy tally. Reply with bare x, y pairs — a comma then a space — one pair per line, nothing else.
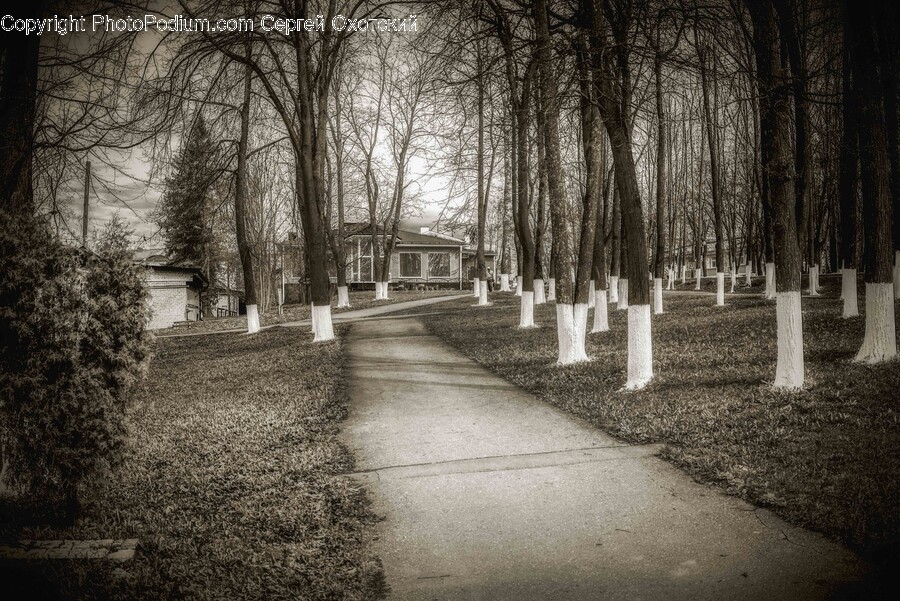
715, 175
18, 97
240, 206
880, 341
778, 165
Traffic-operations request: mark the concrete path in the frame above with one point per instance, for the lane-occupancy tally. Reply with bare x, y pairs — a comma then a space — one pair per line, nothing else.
489, 493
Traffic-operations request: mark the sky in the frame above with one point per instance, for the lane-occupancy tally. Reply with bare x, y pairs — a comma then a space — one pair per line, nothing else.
136, 195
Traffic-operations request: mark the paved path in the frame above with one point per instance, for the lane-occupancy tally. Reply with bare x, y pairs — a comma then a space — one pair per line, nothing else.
489, 493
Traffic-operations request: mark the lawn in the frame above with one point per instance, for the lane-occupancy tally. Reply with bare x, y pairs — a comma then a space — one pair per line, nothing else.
230, 481
358, 300
827, 457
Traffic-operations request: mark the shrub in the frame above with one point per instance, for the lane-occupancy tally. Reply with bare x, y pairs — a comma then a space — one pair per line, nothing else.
73, 342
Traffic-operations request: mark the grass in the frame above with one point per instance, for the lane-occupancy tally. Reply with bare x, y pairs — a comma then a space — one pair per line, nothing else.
826, 457
358, 300
230, 481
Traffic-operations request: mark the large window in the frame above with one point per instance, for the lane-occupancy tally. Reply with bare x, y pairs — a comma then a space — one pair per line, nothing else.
362, 263
439, 265
410, 265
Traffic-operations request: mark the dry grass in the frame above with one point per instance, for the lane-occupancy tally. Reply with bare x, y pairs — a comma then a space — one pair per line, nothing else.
827, 457
230, 481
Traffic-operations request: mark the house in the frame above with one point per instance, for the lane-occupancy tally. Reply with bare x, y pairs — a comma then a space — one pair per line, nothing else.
420, 259
174, 290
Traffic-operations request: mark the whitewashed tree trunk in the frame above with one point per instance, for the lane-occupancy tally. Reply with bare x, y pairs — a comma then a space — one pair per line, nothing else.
323, 329
770, 281
482, 295
526, 310
571, 322
519, 285
880, 341
592, 295
539, 293
814, 280
343, 297
475, 283
671, 283
747, 281
657, 296
733, 280
789, 370
623, 295
683, 275
848, 293
601, 313
504, 282
252, 319
698, 275
614, 289
551, 290
640, 347
720, 289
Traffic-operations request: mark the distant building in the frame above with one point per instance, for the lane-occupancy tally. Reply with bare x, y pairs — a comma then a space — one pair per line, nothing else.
174, 290
423, 258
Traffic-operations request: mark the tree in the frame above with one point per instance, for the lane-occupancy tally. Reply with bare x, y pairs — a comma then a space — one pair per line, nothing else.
186, 210
778, 168
871, 51
610, 41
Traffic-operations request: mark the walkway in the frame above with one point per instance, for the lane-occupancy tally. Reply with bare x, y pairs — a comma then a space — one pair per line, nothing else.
489, 493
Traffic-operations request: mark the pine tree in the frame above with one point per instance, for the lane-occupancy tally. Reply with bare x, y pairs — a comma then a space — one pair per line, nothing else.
186, 213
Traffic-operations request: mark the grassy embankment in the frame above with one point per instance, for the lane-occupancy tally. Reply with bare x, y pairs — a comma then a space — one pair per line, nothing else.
230, 481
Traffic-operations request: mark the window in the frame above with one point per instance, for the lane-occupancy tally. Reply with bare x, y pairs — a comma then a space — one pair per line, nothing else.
439, 265
410, 265
361, 262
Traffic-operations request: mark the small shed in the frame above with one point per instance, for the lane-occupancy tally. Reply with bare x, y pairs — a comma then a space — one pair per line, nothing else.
174, 290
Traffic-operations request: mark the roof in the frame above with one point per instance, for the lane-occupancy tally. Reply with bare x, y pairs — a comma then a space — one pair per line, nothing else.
407, 236
156, 258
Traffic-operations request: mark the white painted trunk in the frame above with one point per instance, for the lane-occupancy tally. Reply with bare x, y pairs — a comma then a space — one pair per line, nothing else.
720, 289
640, 347
683, 275
789, 369
657, 296
880, 341
747, 281
601, 313
614, 289
252, 319
814, 280
539, 295
519, 279
570, 327
482, 295
551, 290
343, 297
698, 275
623, 295
475, 284
770, 280
733, 280
670, 285
324, 330
897, 270
848, 293
381, 291
592, 295
526, 310
504, 282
